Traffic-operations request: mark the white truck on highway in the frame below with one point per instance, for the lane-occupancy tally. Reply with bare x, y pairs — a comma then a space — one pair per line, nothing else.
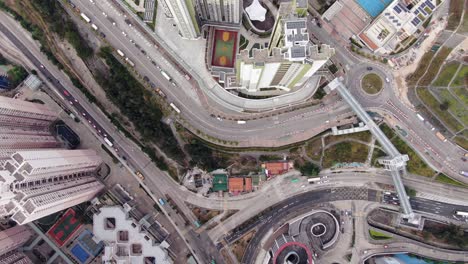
241, 122
108, 142
175, 108
120, 53
165, 75
94, 27
130, 62
420, 117
85, 17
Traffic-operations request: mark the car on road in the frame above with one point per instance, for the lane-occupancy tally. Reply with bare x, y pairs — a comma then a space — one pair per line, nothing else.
84, 114
66, 93
42, 66
370, 68
70, 102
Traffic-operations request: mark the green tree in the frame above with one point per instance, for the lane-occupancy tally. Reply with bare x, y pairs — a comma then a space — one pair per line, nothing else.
308, 169
444, 105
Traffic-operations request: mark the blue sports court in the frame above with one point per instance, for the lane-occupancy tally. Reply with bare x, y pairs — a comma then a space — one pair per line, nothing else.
374, 7
80, 253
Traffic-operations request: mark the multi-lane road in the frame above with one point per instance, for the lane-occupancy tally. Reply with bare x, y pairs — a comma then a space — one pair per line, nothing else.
102, 127
274, 130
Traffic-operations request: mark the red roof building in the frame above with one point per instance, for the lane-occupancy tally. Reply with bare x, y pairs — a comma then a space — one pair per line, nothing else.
248, 184
277, 168
236, 185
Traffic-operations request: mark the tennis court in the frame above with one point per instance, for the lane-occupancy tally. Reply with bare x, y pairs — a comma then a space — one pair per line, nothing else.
224, 48
374, 7
64, 228
80, 253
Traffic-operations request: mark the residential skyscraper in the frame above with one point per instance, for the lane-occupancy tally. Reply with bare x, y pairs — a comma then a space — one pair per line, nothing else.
13, 139
13, 238
18, 113
37, 183
183, 12
289, 65
228, 11
37, 178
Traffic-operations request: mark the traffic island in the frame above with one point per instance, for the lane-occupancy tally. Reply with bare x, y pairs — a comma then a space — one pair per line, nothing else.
372, 83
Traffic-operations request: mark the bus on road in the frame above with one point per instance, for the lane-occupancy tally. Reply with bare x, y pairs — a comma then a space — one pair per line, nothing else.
175, 108
313, 180
108, 142
120, 53
165, 75
85, 17
461, 213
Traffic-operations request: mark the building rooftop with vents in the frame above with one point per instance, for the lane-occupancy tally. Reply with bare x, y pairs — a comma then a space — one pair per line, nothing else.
126, 241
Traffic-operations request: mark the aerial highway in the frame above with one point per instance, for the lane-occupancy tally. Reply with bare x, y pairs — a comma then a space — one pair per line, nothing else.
274, 130
74, 100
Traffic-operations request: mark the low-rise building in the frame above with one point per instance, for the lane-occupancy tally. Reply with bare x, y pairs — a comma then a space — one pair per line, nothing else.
126, 240
399, 21
236, 185
277, 167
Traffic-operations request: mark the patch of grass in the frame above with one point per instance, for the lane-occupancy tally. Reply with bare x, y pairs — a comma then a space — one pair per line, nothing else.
378, 153
455, 13
432, 103
446, 74
415, 164
363, 136
464, 27
372, 83
314, 149
376, 235
455, 107
445, 179
16, 75
239, 247
243, 43
461, 93
462, 78
344, 152
461, 141
435, 66
254, 46
412, 78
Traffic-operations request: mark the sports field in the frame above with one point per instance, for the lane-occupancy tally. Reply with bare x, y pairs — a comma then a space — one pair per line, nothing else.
224, 48
64, 228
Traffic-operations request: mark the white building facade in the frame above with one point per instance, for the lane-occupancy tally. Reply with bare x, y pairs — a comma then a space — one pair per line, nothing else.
288, 66
37, 183
13, 238
184, 14
228, 11
18, 113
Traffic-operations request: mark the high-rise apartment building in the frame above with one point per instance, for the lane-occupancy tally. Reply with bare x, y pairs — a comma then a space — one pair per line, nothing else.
228, 11
24, 114
37, 183
13, 238
13, 139
184, 14
37, 178
288, 66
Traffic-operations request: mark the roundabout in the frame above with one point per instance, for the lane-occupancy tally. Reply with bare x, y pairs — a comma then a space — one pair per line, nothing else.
372, 83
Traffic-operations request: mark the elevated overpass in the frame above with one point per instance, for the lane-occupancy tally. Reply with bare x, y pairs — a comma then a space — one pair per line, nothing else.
396, 162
